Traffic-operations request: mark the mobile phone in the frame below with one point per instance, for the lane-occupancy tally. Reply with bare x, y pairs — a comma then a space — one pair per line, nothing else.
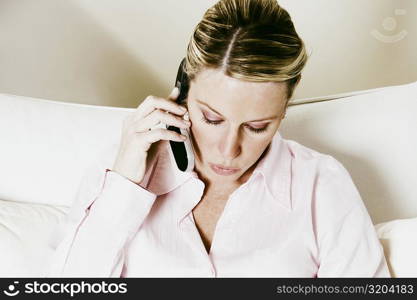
183, 151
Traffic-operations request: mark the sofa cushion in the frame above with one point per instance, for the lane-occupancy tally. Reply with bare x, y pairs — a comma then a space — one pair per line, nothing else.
25, 233
46, 146
399, 239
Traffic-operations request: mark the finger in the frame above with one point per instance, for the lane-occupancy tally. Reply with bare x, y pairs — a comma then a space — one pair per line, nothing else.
170, 119
157, 117
151, 103
155, 135
174, 94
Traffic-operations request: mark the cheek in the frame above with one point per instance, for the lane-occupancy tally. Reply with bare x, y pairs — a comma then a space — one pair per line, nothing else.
253, 149
203, 135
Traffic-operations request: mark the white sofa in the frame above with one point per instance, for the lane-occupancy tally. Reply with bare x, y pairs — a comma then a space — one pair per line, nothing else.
46, 146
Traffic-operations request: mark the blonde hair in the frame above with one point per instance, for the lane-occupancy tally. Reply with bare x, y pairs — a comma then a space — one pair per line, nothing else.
252, 40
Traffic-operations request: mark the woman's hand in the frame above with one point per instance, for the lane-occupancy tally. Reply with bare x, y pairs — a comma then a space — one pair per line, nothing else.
140, 135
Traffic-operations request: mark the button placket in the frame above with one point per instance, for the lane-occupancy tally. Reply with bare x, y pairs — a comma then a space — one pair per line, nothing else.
193, 238
190, 232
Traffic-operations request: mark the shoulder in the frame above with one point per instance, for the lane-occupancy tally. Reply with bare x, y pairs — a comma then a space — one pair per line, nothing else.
332, 187
324, 164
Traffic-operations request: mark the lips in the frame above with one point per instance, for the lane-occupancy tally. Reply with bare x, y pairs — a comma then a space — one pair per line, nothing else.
226, 168
221, 170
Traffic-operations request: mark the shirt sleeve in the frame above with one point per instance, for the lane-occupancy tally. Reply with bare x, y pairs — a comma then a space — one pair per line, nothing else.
346, 237
107, 212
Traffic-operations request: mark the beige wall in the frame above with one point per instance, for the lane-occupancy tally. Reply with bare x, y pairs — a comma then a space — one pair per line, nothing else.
117, 52
345, 56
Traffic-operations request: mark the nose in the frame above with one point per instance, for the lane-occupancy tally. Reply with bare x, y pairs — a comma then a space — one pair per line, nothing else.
230, 144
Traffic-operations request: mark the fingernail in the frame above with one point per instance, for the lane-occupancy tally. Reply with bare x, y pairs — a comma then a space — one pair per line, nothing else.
175, 91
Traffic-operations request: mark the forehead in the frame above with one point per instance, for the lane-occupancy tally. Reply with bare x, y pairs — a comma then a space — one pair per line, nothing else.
238, 98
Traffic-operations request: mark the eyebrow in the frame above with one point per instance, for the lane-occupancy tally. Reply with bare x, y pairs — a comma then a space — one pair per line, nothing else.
264, 119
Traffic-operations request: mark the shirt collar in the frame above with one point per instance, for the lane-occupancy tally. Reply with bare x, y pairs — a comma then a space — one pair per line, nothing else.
274, 168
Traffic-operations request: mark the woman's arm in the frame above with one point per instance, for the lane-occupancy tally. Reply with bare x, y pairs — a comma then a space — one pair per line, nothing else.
352, 249
107, 212
102, 223
346, 237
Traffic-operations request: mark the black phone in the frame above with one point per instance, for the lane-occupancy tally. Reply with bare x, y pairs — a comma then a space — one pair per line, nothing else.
183, 151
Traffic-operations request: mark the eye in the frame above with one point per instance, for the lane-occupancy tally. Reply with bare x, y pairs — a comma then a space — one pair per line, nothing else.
211, 122
257, 130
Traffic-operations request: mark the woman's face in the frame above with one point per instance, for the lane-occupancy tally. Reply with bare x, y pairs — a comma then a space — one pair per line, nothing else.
232, 123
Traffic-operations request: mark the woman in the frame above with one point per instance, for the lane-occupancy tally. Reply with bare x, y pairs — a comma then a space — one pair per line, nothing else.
254, 205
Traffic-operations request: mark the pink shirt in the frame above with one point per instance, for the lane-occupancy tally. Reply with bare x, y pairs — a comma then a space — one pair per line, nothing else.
298, 215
